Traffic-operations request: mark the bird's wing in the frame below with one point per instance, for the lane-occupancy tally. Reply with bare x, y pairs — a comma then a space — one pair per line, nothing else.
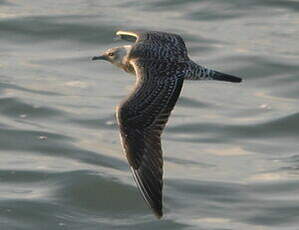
156, 45
142, 118
130, 36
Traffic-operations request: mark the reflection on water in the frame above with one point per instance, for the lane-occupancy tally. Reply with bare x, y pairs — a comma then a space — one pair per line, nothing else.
231, 151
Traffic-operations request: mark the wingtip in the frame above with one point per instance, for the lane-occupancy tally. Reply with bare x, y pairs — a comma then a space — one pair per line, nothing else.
125, 32
154, 205
118, 32
158, 214
127, 35
121, 33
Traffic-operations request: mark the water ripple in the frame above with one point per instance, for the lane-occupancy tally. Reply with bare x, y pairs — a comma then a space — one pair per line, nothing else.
47, 28
281, 127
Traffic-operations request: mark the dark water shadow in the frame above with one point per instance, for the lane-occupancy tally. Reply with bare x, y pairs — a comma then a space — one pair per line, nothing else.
235, 4
248, 4
287, 4
96, 193
31, 214
53, 145
168, 3
191, 103
205, 15
282, 127
45, 28
13, 107
101, 197
80, 198
200, 199
108, 122
25, 176
276, 214
4, 2
254, 203
262, 67
221, 191
274, 188
291, 164
187, 162
23, 89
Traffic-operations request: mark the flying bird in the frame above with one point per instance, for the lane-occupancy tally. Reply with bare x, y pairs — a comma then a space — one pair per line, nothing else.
160, 63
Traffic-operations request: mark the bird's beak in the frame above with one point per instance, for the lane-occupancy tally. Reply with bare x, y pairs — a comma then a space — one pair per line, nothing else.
102, 57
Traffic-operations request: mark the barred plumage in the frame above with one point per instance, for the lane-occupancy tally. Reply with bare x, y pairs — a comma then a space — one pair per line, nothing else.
161, 64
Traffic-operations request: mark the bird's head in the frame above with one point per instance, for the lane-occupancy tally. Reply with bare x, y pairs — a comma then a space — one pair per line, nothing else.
117, 56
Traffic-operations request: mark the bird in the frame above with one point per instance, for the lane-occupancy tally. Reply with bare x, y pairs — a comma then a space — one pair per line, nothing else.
160, 62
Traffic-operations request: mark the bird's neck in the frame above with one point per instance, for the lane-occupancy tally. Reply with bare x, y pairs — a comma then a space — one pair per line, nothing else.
124, 61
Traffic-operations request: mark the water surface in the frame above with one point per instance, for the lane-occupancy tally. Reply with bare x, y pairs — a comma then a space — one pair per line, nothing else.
231, 150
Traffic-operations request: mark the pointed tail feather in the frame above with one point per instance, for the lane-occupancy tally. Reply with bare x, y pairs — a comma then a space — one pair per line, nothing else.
225, 77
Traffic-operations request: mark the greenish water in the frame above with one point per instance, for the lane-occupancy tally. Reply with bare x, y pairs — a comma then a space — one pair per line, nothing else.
231, 150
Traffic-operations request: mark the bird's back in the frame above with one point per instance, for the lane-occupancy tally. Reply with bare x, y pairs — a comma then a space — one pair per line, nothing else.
159, 46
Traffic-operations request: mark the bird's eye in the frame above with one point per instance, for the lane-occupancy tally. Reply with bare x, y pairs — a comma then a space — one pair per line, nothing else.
110, 54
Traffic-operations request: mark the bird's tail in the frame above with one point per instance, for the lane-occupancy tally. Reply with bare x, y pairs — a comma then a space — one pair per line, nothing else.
225, 77
198, 72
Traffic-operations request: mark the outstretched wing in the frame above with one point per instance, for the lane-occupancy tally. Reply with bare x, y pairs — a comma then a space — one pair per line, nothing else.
156, 45
142, 118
